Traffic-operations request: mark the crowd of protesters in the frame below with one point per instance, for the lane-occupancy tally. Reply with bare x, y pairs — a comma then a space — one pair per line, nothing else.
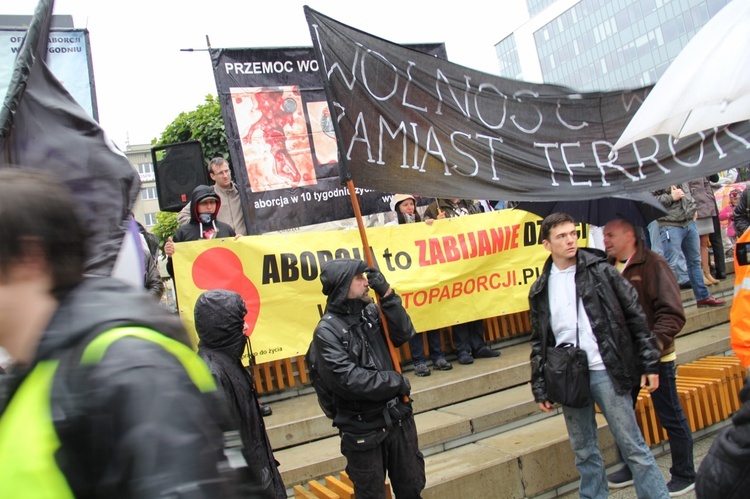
112, 365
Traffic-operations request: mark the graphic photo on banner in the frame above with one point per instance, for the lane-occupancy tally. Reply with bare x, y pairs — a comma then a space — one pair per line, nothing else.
274, 137
287, 171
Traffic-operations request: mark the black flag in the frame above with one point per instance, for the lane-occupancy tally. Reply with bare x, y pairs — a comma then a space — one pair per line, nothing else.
410, 122
42, 127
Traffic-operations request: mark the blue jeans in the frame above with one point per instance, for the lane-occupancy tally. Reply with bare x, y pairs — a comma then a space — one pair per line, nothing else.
676, 240
618, 410
668, 408
416, 347
654, 238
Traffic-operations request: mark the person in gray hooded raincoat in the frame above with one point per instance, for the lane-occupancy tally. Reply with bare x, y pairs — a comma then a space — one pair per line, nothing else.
220, 323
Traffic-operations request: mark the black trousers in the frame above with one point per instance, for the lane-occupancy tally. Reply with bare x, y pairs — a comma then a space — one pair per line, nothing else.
717, 245
398, 454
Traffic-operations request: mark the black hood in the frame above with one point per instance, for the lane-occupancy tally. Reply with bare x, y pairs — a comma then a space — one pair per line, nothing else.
199, 194
336, 277
220, 320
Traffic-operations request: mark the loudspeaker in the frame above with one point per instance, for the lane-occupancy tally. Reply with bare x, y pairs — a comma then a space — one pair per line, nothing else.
178, 169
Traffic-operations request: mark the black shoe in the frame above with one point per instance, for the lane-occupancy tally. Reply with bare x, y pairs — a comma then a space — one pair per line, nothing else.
442, 365
679, 486
421, 370
465, 358
486, 352
620, 479
265, 410
686, 285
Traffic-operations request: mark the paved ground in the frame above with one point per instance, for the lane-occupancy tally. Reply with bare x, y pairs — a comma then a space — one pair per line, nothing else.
702, 443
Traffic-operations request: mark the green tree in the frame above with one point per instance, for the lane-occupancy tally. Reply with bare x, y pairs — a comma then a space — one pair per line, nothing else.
204, 124
166, 226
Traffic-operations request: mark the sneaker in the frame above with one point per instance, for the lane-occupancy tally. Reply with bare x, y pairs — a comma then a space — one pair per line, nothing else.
686, 285
486, 352
679, 486
421, 370
620, 479
710, 302
464, 358
442, 365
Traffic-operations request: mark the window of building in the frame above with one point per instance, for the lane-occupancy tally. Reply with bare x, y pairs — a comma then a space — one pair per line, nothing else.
148, 193
145, 168
149, 219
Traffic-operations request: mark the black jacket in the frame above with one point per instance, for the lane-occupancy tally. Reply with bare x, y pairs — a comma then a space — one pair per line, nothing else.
742, 213
133, 424
627, 345
354, 362
193, 231
725, 471
219, 321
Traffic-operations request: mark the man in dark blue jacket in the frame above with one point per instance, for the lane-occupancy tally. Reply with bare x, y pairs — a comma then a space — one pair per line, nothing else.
367, 398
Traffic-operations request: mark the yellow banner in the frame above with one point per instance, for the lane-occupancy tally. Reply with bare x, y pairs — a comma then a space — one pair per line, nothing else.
454, 271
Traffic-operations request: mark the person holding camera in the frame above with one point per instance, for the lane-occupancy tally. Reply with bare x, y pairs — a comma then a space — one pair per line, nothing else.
357, 382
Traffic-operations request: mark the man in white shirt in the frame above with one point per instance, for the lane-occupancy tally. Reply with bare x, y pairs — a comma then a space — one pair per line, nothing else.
578, 291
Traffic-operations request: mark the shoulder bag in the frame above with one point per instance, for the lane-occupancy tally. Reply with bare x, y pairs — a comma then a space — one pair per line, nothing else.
566, 372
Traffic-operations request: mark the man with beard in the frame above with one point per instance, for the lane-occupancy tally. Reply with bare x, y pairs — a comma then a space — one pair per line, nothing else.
357, 384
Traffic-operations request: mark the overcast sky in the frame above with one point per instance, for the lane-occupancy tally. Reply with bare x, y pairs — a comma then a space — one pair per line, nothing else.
144, 80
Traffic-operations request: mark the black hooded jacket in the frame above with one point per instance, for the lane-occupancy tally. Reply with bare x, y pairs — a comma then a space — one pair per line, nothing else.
133, 424
193, 231
219, 321
725, 471
354, 362
627, 346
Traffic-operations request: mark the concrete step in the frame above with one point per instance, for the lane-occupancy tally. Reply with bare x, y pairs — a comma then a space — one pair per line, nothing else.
535, 457
484, 410
524, 462
299, 420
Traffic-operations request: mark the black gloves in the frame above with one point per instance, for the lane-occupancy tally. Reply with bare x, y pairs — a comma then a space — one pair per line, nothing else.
405, 389
377, 281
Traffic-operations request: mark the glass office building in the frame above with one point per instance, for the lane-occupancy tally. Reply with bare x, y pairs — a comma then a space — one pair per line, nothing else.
591, 45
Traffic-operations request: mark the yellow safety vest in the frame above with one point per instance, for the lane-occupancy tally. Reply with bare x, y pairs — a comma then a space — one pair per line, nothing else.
28, 440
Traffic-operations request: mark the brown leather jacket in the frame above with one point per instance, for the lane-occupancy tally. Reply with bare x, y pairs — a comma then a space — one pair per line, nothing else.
658, 293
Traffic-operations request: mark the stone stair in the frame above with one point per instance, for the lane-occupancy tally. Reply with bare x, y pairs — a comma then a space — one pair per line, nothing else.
480, 430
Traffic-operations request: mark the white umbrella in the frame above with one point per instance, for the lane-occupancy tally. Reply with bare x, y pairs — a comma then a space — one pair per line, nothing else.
707, 84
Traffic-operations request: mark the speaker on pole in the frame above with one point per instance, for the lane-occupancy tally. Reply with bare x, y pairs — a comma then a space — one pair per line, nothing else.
178, 169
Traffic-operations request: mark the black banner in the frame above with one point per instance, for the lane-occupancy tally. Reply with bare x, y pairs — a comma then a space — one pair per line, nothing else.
281, 138
438, 129
42, 127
